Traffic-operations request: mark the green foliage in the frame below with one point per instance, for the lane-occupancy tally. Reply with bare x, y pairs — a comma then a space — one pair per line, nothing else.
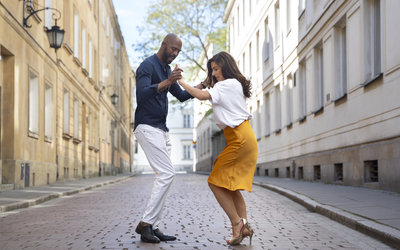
196, 22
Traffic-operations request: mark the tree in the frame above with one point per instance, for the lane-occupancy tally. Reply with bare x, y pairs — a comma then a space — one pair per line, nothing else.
197, 22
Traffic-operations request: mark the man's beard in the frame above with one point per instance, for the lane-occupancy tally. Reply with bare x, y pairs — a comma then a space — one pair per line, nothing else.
166, 56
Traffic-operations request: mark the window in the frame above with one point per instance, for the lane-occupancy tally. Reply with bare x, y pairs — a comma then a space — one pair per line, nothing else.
302, 91
244, 63
76, 35
278, 105
136, 146
258, 49
289, 100
48, 111
302, 6
186, 152
318, 80
83, 47
277, 25
96, 134
258, 131
103, 11
238, 21
340, 61
108, 131
208, 140
233, 32
66, 111
48, 14
372, 38
90, 58
266, 39
250, 61
33, 103
104, 71
250, 6
76, 118
90, 129
244, 12
104, 127
186, 121
112, 37
267, 112
108, 26
288, 16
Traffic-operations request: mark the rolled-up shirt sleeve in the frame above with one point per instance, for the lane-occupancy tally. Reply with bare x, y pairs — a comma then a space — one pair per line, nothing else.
144, 89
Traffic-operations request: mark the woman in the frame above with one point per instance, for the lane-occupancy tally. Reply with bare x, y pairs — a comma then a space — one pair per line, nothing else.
234, 168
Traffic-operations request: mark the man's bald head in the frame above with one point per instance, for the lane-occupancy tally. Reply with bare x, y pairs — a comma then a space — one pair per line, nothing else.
172, 38
170, 48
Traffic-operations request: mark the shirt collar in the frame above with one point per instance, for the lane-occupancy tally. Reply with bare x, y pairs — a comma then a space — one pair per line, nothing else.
166, 67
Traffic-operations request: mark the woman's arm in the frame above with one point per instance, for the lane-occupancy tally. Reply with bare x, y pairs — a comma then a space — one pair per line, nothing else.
195, 92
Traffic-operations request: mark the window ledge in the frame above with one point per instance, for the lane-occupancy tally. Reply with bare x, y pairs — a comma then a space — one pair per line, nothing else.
33, 135
267, 135
85, 72
289, 125
91, 147
372, 80
68, 48
96, 87
66, 136
318, 111
302, 119
277, 131
92, 81
96, 150
48, 139
76, 141
77, 62
340, 98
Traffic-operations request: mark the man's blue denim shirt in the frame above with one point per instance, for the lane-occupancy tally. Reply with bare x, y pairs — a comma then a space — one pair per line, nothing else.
152, 106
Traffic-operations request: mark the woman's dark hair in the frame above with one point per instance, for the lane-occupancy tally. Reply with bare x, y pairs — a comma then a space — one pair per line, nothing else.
229, 70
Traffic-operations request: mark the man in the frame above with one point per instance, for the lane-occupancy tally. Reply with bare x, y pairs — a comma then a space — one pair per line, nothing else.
154, 80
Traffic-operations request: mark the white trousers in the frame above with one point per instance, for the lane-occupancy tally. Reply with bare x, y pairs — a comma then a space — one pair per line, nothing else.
157, 147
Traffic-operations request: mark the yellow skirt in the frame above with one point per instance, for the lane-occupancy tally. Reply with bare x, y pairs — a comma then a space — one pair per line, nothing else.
234, 168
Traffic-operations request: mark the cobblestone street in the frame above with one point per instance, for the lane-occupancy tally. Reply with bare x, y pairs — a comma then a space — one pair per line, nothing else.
106, 218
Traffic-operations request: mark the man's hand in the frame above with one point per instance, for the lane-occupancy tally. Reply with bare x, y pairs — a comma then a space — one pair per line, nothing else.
176, 74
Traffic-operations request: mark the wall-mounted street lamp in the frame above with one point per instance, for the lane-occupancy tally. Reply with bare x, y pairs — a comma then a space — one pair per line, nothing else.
114, 97
55, 34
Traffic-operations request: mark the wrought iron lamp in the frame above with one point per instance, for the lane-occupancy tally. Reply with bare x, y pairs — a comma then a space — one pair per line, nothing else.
55, 34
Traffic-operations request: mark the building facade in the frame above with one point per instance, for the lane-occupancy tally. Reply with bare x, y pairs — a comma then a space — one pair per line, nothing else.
325, 75
58, 121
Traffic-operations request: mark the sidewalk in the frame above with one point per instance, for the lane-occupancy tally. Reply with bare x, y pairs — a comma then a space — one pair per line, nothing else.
372, 212
28, 197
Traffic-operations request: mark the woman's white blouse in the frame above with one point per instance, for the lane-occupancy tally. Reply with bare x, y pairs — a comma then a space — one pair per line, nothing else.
229, 103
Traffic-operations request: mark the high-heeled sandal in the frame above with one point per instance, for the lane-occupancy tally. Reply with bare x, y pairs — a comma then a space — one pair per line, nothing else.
251, 232
239, 239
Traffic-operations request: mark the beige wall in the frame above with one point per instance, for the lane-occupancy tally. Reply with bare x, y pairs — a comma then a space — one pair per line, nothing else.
64, 155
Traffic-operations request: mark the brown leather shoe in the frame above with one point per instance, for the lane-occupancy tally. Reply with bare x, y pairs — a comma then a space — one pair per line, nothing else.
146, 233
162, 236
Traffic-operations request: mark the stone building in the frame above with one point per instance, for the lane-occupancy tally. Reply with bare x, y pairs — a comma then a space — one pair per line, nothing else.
325, 77
58, 121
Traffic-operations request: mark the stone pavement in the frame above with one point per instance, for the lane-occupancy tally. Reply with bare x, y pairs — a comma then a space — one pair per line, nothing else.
373, 212
106, 217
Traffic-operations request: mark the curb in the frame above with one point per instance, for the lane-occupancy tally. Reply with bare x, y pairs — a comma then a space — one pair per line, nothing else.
385, 234
47, 197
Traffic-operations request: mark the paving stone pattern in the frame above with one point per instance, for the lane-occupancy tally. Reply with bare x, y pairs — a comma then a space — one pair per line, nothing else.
106, 218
